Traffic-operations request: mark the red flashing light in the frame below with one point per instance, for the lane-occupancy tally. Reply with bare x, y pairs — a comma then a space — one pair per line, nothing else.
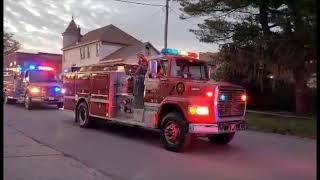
45, 68
209, 94
193, 55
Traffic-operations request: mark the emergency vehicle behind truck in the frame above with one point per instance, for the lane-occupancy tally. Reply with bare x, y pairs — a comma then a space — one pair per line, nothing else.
179, 99
32, 85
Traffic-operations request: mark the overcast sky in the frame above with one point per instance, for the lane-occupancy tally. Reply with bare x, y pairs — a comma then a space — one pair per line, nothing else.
38, 24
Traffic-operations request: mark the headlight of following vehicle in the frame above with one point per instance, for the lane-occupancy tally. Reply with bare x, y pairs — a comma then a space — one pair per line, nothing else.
35, 90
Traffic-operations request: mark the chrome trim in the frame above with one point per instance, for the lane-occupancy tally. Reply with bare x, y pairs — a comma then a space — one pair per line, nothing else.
99, 100
100, 95
198, 128
102, 117
69, 97
203, 128
152, 104
234, 118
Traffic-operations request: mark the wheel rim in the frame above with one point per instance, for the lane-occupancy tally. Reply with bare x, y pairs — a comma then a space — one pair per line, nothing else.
82, 115
171, 132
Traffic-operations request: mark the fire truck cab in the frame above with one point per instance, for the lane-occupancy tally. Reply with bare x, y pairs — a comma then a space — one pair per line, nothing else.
179, 99
32, 85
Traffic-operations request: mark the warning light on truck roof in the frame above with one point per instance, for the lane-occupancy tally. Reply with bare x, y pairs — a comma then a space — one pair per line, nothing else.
34, 67
177, 52
45, 68
31, 66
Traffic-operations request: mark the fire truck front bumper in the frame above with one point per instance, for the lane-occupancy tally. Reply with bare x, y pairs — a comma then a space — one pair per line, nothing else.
47, 100
217, 128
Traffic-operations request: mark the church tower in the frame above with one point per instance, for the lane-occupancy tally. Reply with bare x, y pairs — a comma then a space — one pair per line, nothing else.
71, 34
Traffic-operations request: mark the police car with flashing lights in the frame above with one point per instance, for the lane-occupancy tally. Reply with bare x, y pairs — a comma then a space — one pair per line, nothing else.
32, 85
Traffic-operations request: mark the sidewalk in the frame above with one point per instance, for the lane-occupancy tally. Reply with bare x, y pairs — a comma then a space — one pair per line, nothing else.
27, 159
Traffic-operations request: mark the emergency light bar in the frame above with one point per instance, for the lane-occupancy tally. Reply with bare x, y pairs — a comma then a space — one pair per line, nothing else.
177, 52
34, 67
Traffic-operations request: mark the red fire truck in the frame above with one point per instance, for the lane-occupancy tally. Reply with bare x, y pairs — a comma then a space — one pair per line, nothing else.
31, 85
179, 99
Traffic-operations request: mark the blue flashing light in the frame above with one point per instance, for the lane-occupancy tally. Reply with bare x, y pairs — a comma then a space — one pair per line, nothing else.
19, 68
57, 89
169, 51
222, 97
31, 67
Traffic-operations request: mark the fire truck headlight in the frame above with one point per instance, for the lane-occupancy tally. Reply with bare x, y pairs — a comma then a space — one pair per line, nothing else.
63, 90
35, 90
198, 110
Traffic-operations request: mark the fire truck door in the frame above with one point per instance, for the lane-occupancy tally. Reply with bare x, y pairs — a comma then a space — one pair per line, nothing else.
69, 96
99, 100
21, 84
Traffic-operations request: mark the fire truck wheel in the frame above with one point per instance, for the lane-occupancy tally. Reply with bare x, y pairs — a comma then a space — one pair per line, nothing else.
224, 138
8, 100
28, 103
83, 115
174, 132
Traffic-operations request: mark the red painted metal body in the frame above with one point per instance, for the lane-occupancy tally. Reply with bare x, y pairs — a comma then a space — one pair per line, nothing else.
108, 88
18, 85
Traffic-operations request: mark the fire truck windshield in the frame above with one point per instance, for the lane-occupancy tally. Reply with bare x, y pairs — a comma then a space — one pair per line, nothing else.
191, 69
41, 76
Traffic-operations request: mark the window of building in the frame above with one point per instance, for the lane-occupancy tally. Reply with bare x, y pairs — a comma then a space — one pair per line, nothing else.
97, 49
81, 53
88, 52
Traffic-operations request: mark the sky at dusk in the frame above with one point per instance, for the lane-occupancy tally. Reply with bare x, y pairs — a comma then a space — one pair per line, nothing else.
38, 24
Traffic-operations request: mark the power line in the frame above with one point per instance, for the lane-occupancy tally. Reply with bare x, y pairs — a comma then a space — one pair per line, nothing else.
140, 3
187, 20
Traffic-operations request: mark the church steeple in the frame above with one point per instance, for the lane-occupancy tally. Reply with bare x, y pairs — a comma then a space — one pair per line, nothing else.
72, 33
72, 27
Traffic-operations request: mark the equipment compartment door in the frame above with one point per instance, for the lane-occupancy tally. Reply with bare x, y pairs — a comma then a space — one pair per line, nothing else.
69, 96
99, 100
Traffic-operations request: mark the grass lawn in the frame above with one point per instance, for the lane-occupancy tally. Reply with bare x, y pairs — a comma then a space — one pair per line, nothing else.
282, 125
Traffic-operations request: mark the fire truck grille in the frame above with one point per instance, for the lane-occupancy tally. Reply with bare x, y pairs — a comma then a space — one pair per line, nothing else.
232, 104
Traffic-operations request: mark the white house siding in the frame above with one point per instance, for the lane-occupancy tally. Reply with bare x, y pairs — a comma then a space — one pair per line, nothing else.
72, 56
106, 49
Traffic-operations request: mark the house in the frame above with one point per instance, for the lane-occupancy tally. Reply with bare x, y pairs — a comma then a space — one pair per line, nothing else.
24, 59
100, 45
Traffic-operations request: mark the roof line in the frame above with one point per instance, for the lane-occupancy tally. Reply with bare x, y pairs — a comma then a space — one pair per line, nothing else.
78, 45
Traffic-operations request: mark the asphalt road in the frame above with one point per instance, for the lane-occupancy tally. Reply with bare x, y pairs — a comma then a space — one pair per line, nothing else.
129, 153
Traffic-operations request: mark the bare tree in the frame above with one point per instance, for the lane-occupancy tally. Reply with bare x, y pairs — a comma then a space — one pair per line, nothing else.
10, 45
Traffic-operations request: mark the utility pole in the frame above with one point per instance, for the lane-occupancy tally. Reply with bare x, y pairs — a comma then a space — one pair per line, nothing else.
166, 25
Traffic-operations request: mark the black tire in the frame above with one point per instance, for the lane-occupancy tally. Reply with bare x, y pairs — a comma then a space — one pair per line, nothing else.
60, 105
28, 103
83, 115
174, 132
7, 100
221, 139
